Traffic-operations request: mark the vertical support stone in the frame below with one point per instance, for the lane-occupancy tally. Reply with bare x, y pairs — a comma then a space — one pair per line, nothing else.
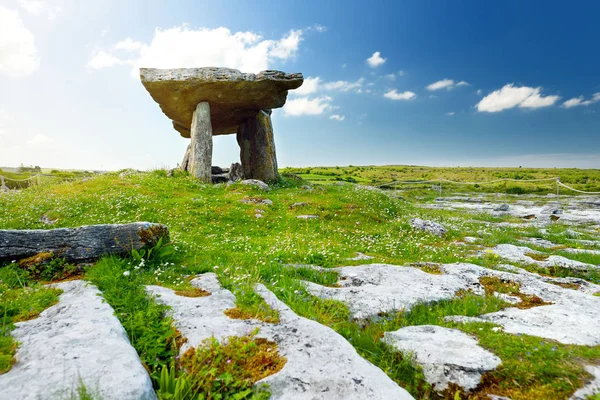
202, 145
185, 164
257, 148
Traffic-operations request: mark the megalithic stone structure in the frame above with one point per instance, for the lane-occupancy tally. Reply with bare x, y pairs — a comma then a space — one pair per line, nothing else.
203, 102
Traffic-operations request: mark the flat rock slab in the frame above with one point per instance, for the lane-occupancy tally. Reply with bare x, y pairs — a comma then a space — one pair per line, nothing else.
233, 96
571, 319
321, 364
592, 387
374, 288
77, 340
514, 253
80, 244
446, 355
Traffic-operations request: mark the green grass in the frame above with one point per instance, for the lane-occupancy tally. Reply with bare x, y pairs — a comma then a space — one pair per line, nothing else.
213, 231
20, 300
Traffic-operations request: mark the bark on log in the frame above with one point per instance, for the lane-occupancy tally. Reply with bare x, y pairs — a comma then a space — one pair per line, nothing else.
257, 148
80, 244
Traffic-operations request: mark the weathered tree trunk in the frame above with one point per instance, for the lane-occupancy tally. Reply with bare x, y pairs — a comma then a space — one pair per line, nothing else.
201, 146
185, 164
257, 148
80, 244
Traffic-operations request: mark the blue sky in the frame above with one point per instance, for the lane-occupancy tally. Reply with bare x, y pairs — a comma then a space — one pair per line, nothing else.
415, 82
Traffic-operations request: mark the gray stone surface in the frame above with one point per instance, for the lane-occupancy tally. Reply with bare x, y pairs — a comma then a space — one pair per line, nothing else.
235, 172
257, 148
514, 253
307, 216
321, 364
374, 288
590, 388
233, 96
360, 257
256, 183
78, 339
428, 226
200, 161
446, 355
79, 244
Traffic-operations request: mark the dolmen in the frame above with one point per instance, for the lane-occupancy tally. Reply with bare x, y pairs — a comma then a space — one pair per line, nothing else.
203, 102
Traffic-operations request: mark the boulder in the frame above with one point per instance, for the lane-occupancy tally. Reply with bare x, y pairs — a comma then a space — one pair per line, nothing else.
428, 226
80, 244
235, 172
502, 207
446, 355
256, 183
233, 96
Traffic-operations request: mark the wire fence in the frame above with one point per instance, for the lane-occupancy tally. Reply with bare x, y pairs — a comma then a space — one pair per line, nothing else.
438, 184
7, 183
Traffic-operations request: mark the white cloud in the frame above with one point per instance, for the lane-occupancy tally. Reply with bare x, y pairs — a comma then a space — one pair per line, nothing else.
479, 91
310, 85
391, 77
395, 95
129, 44
510, 96
579, 101
181, 47
375, 60
307, 106
18, 54
401, 73
447, 84
337, 117
319, 28
102, 59
343, 86
450, 114
40, 142
315, 84
49, 8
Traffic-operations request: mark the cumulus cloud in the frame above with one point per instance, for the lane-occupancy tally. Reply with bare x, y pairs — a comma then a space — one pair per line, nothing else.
510, 96
181, 47
48, 8
375, 60
18, 54
315, 84
343, 86
337, 117
579, 101
395, 95
307, 106
447, 84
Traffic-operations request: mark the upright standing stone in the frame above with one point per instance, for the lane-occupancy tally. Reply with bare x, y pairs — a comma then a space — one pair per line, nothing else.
257, 148
185, 164
201, 150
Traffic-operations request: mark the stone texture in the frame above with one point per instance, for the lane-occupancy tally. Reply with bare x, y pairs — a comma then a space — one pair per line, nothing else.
446, 355
428, 226
257, 148
185, 163
374, 288
201, 147
77, 339
235, 172
321, 364
233, 96
514, 253
590, 388
79, 244
256, 183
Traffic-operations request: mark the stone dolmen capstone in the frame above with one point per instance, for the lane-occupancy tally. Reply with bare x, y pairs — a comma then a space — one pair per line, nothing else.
203, 102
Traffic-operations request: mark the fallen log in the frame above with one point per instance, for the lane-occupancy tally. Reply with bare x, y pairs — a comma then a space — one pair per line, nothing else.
81, 244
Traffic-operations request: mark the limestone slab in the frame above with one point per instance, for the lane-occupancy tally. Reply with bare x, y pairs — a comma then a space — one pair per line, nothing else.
321, 364
78, 340
233, 96
446, 355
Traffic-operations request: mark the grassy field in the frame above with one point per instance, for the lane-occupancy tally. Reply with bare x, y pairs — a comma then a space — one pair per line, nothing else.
213, 230
582, 179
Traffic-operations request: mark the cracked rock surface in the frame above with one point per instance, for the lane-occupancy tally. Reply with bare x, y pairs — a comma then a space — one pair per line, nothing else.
77, 340
446, 355
321, 364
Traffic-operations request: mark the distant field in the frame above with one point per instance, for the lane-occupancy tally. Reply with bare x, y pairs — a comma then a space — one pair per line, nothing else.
581, 179
19, 180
